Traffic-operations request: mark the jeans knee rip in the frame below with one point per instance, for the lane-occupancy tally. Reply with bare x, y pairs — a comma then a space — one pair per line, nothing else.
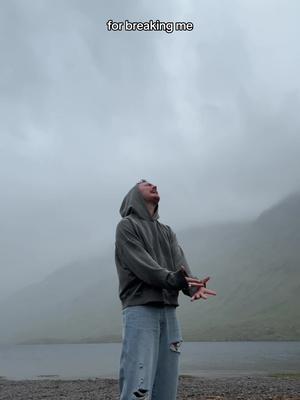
141, 394
175, 346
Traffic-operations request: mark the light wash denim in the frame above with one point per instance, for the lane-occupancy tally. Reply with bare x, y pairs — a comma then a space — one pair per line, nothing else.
150, 353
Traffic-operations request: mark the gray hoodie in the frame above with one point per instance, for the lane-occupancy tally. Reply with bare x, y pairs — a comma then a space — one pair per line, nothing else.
148, 257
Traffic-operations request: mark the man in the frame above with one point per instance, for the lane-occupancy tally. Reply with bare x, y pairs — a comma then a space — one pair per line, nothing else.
152, 269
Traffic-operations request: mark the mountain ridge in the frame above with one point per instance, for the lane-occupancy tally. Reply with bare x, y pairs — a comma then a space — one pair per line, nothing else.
254, 267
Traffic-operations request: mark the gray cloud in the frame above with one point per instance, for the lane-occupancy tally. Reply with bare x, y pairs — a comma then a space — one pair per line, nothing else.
210, 115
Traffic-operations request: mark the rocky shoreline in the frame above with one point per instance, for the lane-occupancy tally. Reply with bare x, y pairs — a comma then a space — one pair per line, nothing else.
190, 388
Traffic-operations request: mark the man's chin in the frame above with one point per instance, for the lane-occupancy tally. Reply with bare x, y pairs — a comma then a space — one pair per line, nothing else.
156, 199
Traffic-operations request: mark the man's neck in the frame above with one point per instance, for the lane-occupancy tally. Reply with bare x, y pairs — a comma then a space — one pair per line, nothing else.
151, 208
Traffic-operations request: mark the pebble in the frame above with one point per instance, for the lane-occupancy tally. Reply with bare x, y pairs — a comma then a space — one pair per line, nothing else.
190, 388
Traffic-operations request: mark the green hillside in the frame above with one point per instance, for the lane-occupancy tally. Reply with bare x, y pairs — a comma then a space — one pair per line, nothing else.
257, 277
254, 267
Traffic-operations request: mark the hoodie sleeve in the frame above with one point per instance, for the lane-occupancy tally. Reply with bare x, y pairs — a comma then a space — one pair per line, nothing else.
179, 260
136, 259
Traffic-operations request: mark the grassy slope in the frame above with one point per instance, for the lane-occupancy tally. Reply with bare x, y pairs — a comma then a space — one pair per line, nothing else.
254, 268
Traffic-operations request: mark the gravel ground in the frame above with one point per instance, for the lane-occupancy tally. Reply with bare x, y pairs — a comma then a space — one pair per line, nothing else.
190, 388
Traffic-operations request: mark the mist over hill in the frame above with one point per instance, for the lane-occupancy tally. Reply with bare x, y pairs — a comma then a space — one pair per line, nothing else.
254, 267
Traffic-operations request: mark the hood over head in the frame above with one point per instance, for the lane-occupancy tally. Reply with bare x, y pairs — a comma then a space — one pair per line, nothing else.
134, 203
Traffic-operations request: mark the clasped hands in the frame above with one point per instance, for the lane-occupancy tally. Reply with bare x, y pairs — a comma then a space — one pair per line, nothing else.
202, 292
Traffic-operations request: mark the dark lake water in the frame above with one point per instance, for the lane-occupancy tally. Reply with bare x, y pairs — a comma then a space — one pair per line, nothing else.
102, 360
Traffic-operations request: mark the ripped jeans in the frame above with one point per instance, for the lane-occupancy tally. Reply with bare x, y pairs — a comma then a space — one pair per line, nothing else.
150, 353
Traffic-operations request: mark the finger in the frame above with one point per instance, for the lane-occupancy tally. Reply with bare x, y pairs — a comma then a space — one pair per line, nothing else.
189, 279
199, 291
193, 279
194, 284
200, 296
211, 292
196, 296
197, 282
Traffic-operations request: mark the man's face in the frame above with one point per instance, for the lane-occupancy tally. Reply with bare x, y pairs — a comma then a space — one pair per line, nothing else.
149, 192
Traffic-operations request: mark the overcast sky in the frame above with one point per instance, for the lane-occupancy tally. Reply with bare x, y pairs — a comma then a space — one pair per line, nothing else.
211, 116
